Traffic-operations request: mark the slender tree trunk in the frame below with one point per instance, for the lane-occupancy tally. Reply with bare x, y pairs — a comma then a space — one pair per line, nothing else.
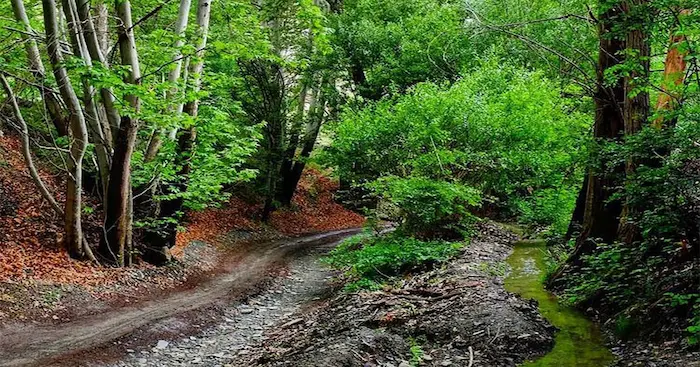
102, 26
295, 131
173, 77
290, 180
78, 128
94, 48
159, 242
117, 224
36, 66
23, 131
75, 28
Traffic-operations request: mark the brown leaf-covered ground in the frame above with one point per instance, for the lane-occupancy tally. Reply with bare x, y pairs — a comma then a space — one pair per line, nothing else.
38, 281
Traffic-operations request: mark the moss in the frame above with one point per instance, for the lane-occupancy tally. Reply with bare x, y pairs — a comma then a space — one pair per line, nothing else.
579, 341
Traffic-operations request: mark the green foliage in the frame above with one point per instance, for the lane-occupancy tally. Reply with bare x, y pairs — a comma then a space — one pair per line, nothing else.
417, 353
396, 44
502, 130
371, 259
428, 208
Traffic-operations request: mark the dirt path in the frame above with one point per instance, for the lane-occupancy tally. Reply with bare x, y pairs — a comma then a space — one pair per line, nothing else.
243, 324
28, 345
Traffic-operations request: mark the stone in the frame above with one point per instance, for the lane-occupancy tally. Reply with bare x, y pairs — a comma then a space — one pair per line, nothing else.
162, 344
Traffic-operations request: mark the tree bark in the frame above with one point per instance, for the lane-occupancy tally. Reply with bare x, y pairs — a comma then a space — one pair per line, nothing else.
290, 179
601, 214
36, 66
117, 218
94, 48
636, 110
73, 206
674, 76
173, 77
96, 136
160, 241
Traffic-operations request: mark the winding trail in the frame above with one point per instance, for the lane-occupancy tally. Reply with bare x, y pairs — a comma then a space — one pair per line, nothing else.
63, 344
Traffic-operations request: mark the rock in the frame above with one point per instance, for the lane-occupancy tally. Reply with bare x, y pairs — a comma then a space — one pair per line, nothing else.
162, 344
246, 311
404, 364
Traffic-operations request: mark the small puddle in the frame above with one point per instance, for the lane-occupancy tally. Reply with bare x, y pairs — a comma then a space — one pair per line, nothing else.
579, 342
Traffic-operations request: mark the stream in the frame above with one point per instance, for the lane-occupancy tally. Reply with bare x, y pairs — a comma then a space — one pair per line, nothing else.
579, 341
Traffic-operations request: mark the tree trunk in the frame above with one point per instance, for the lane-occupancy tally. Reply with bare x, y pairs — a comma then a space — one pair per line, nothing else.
601, 214
290, 180
26, 151
636, 110
96, 136
173, 77
117, 224
674, 76
160, 241
73, 225
36, 66
93, 45
577, 216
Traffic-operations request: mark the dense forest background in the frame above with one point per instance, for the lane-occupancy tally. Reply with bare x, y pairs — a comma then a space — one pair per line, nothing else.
578, 119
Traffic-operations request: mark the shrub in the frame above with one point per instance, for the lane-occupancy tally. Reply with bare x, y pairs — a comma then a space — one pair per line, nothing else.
427, 208
370, 259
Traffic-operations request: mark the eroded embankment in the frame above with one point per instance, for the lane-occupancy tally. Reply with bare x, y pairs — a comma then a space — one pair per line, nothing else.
457, 315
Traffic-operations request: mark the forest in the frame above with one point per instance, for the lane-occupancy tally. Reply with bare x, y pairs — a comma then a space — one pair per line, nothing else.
421, 155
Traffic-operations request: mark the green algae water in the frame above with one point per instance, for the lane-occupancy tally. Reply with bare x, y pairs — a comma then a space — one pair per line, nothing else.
579, 342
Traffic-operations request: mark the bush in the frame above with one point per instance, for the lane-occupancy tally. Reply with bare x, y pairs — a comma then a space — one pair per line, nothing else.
504, 131
367, 260
427, 208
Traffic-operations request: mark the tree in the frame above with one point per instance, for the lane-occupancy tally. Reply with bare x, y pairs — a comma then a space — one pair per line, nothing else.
118, 215
160, 240
78, 135
600, 213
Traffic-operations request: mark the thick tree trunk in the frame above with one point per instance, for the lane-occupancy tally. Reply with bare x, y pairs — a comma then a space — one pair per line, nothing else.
73, 225
159, 242
577, 216
36, 66
601, 214
117, 226
173, 77
674, 76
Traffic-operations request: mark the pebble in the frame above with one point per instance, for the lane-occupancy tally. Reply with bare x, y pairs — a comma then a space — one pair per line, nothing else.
162, 344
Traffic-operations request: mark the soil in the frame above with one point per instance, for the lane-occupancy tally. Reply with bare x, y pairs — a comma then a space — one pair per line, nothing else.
454, 315
41, 345
275, 304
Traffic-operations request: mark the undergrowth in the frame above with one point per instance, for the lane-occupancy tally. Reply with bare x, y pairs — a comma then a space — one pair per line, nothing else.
370, 261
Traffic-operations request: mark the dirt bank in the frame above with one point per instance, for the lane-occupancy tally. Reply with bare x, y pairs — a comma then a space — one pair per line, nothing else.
458, 315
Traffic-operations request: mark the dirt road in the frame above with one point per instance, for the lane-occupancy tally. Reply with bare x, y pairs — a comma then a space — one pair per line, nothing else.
101, 335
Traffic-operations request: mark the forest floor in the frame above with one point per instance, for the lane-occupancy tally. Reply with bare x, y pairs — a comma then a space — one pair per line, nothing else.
247, 294
40, 284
